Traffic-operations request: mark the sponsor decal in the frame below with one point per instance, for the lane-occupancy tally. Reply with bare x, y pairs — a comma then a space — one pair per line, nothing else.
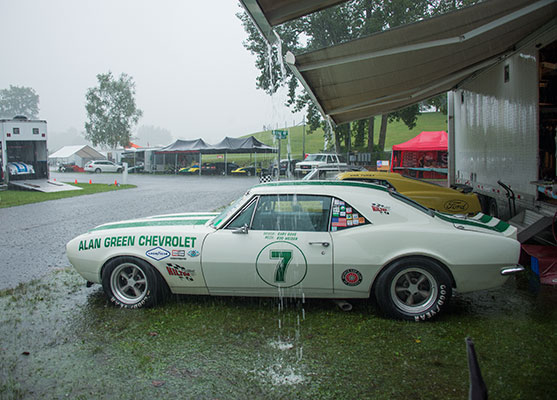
193, 253
158, 253
167, 241
351, 277
456, 205
107, 242
380, 208
178, 253
180, 272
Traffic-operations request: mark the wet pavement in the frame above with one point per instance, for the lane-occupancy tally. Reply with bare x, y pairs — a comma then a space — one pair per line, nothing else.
34, 236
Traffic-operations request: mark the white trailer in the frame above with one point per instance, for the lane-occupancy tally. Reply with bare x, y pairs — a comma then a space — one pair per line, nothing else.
502, 140
24, 155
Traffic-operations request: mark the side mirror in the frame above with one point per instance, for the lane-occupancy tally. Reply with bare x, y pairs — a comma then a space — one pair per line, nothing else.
243, 229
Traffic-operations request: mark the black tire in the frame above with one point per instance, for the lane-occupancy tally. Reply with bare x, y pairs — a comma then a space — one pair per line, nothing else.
413, 288
98, 171
119, 170
131, 283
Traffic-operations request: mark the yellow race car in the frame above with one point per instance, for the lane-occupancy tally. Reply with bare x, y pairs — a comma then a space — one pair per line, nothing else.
428, 194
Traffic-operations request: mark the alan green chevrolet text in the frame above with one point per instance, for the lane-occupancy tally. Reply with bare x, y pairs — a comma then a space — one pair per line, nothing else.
333, 239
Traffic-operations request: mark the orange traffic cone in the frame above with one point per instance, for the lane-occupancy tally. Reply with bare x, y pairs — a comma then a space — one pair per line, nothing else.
90, 181
115, 182
75, 182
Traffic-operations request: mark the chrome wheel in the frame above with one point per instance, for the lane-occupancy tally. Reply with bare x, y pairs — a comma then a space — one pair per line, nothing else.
414, 290
128, 283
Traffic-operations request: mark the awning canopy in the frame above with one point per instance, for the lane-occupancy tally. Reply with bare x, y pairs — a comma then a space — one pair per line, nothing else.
405, 65
425, 141
269, 13
182, 146
242, 145
227, 145
83, 151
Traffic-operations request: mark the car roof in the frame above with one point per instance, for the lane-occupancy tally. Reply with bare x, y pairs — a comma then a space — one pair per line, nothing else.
321, 187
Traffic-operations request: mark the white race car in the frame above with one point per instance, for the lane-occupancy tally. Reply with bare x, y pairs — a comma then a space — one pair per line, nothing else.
333, 239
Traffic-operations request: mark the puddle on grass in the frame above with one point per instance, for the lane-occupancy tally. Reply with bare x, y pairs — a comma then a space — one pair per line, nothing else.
59, 338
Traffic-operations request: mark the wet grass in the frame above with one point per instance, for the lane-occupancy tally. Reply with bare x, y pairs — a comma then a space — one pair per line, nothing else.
10, 198
60, 339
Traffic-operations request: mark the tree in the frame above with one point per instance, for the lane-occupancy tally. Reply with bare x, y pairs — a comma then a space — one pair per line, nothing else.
330, 27
19, 100
111, 111
149, 135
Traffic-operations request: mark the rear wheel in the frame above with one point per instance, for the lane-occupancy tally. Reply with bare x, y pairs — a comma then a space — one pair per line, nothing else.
413, 289
131, 283
98, 171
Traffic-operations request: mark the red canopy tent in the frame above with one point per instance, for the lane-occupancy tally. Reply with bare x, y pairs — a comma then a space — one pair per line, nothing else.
424, 156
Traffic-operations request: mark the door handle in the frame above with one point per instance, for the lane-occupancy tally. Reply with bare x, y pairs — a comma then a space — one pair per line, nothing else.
324, 244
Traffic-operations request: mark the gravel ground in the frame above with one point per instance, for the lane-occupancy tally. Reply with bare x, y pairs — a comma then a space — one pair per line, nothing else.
34, 236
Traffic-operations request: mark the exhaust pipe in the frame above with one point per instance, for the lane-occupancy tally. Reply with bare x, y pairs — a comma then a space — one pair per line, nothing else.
343, 305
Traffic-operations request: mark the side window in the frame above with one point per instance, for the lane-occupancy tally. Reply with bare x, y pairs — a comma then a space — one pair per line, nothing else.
345, 216
302, 213
244, 218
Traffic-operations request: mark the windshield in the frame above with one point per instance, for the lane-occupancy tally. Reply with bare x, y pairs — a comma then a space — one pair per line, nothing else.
316, 157
228, 211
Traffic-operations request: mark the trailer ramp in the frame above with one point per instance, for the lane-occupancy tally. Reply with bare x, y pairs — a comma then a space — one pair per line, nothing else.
43, 185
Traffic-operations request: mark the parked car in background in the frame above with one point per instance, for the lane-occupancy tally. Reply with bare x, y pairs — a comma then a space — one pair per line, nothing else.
428, 194
194, 169
218, 168
139, 167
328, 173
317, 239
70, 168
250, 170
318, 160
284, 166
99, 166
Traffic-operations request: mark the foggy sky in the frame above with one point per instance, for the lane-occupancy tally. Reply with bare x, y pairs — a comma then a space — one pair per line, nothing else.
193, 76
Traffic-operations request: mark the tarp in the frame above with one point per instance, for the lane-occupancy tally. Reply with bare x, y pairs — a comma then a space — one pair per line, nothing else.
242, 145
83, 151
182, 146
402, 66
227, 145
425, 141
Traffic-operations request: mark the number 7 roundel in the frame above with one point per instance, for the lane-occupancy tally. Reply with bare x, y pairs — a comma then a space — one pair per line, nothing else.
281, 264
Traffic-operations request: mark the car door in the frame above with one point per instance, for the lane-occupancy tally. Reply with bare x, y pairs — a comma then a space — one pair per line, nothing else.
277, 242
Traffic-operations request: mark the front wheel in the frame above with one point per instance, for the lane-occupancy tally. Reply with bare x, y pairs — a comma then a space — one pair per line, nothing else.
413, 289
131, 283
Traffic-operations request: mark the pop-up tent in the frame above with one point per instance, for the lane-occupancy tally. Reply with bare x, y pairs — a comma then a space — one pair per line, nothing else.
424, 156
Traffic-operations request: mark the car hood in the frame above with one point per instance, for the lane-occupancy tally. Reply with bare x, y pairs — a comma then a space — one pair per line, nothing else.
160, 230
189, 221
480, 223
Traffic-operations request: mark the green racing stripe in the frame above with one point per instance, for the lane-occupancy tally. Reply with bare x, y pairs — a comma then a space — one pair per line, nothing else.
500, 227
140, 224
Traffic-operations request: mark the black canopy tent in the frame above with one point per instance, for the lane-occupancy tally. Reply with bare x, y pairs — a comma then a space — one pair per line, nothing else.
248, 145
